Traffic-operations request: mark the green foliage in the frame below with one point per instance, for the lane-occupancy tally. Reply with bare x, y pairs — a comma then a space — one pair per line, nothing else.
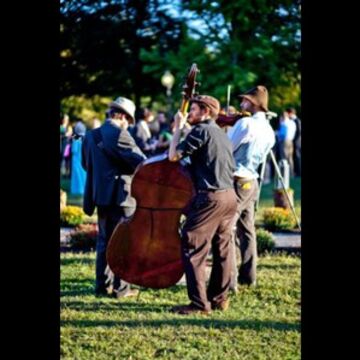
71, 216
261, 323
84, 236
259, 43
277, 218
124, 48
286, 95
265, 241
85, 108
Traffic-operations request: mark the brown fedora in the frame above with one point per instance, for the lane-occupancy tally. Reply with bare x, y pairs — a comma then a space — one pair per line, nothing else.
258, 95
209, 101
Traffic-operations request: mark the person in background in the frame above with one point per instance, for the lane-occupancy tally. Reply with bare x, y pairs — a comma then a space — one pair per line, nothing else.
110, 157
67, 148
65, 139
141, 131
286, 135
165, 134
296, 141
78, 174
252, 138
95, 123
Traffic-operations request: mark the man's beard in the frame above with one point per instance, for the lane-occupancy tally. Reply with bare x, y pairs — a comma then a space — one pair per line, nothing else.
193, 121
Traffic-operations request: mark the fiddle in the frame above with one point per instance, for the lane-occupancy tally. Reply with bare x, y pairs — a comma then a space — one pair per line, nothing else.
230, 119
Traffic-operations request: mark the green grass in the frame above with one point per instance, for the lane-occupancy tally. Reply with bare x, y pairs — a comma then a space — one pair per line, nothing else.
262, 322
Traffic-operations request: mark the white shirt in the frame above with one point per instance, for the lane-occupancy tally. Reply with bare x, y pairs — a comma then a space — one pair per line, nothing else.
287, 129
252, 138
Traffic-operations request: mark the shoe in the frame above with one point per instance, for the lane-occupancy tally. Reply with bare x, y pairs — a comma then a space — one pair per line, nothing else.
101, 292
248, 283
223, 306
189, 309
129, 293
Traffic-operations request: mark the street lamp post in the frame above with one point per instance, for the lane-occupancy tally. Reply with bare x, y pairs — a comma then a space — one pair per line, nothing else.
168, 80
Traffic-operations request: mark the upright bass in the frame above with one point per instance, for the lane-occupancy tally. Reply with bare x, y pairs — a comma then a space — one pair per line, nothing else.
146, 249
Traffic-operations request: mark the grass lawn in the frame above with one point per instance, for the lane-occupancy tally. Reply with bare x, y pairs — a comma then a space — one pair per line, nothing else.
262, 322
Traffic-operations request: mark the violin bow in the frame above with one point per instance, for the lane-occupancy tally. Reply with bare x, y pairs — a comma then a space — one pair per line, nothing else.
228, 99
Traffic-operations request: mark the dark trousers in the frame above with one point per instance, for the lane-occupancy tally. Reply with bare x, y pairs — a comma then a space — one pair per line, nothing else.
245, 239
108, 218
297, 160
208, 226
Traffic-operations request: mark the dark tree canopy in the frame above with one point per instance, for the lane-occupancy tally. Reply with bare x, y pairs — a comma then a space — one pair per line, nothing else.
122, 47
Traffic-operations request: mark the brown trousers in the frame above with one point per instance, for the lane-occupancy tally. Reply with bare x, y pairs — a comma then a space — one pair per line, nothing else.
245, 239
289, 154
208, 226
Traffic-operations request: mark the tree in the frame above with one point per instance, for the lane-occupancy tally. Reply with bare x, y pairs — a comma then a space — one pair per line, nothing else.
253, 42
101, 44
123, 47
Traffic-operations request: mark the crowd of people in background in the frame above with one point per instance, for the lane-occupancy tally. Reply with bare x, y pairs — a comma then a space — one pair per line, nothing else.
288, 141
153, 133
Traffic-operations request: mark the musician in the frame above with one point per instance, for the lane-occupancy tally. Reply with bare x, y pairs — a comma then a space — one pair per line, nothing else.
110, 156
212, 209
252, 138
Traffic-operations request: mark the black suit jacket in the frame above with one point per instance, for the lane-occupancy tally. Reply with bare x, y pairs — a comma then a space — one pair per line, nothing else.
109, 167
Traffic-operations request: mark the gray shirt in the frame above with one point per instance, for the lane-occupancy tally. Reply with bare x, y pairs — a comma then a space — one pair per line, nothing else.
210, 151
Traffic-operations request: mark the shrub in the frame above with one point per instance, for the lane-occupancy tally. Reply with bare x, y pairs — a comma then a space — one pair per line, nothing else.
71, 216
265, 241
278, 219
83, 237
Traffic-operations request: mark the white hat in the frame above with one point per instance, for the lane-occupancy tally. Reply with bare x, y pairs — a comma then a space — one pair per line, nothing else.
124, 104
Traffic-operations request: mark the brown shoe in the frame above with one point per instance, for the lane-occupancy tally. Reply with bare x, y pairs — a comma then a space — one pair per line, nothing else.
223, 306
189, 309
129, 293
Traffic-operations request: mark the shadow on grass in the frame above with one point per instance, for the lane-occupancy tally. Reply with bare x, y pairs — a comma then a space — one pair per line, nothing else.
205, 323
77, 281
115, 305
82, 292
83, 260
278, 266
175, 289
75, 287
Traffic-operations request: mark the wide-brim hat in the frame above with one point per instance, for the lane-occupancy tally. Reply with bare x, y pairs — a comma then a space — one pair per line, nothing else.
258, 95
125, 105
209, 101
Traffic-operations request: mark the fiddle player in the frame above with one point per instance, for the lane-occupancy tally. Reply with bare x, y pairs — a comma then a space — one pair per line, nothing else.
110, 157
213, 208
252, 138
